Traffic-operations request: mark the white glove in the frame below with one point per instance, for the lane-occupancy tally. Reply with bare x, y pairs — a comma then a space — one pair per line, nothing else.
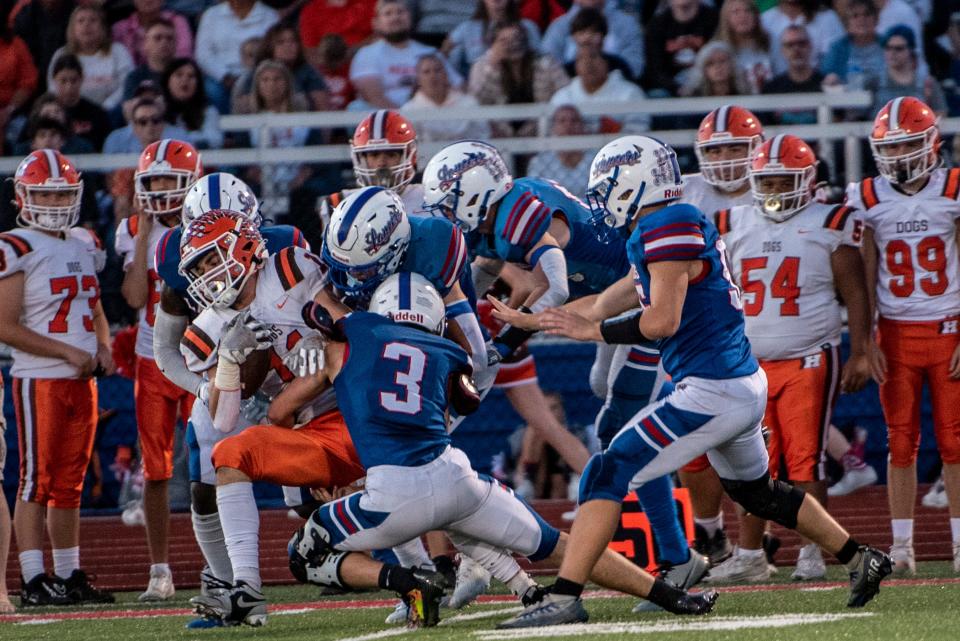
307, 358
242, 336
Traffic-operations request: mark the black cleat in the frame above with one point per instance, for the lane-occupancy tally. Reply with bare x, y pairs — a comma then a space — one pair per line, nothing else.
691, 603
873, 567
445, 566
80, 590
534, 594
717, 548
423, 602
43, 589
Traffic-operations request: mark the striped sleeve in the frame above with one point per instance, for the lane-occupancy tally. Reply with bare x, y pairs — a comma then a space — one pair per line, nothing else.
674, 241
12, 250
721, 219
288, 270
198, 349
455, 259
951, 186
527, 220
299, 240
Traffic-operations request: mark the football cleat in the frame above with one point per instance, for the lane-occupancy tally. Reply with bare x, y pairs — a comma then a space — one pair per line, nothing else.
741, 568
472, 581
853, 480
872, 568
399, 615
160, 587
810, 564
904, 562
552, 609
682, 575
44, 589
717, 548
936, 496
241, 604
80, 590
423, 602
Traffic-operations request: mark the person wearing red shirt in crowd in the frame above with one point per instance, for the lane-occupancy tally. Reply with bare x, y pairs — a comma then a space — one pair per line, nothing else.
350, 19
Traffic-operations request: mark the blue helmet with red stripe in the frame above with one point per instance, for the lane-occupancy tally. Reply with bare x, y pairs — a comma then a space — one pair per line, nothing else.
366, 239
220, 190
409, 298
464, 180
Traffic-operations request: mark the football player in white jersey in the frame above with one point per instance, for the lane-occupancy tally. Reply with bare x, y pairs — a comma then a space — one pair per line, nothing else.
790, 256
911, 213
165, 172
53, 320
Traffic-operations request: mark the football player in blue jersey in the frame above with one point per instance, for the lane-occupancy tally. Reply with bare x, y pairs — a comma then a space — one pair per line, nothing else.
541, 226
692, 308
396, 379
174, 313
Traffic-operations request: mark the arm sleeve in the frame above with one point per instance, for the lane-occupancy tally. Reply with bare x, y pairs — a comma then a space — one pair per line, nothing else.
680, 239
554, 266
166, 350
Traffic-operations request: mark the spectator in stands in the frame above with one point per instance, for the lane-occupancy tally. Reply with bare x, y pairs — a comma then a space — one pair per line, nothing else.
223, 28
433, 91
740, 28
18, 77
43, 26
715, 73
595, 82
569, 168
901, 76
510, 72
674, 37
352, 20
86, 118
541, 12
384, 71
900, 12
472, 38
856, 59
951, 81
159, 48
434, 19
146, 126
800, 77
823, 26
105, 63
45, 132
589, 29
187, 105
624, 39
131, 32
280, 43
334, 68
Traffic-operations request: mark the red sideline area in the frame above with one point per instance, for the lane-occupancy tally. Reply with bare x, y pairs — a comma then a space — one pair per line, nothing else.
117, 554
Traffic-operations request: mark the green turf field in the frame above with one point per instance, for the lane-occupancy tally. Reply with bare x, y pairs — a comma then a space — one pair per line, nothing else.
918, 610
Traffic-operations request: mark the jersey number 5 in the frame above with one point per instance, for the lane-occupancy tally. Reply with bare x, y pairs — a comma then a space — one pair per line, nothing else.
409, 378
72, 285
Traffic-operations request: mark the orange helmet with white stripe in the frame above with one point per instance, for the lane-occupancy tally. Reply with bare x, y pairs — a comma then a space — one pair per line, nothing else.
905, 140
782, 176
177, 165
384, 131
726, 140
48, 190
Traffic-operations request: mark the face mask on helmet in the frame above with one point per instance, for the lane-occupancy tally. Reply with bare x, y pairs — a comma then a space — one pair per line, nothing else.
783, 193
216, 277
389, 166
160, 193
903, 159
725, 165
49, 207
610, 218
357, 279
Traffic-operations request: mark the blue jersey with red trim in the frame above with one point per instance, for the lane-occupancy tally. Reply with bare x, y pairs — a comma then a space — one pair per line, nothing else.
437, 251
277, 237
711, 341
392, 390
524, 216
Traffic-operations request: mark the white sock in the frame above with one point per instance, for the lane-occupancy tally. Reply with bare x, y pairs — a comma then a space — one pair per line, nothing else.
413, 554
520, 583
209, 535
902, 528
65, 561
711, 525
955, 529
240, 521
31, 564
750, 554
160, 568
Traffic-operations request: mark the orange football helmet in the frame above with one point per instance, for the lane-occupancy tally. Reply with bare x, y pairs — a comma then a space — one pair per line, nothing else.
238, 245
166, 158
729, 125
783, 156
48, 190
905, 140
384, 130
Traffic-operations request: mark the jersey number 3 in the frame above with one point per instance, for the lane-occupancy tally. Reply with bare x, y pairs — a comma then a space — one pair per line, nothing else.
409, 378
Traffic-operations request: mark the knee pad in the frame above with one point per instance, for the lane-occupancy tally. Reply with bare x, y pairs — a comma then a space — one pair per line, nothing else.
312, 559
904, 445
203, 498
767, 498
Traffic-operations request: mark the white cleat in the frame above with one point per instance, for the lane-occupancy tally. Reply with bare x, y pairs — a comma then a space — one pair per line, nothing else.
472, 581
741, 568
810, 564
904, 562
936, 496
399, 614
853, 480
160, 588
133, 514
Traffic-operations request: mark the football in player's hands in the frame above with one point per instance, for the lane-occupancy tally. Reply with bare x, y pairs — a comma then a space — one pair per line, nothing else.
464, 396
242, 336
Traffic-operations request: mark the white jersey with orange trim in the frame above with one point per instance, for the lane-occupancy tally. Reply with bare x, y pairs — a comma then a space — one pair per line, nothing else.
288, 280
60, 292
125, 245
918, 271
707, 198
784, 272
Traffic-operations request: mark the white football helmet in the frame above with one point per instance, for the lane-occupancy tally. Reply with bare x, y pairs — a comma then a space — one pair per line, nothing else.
220, 190
463, 181
627, 175
366, 239
407, 297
